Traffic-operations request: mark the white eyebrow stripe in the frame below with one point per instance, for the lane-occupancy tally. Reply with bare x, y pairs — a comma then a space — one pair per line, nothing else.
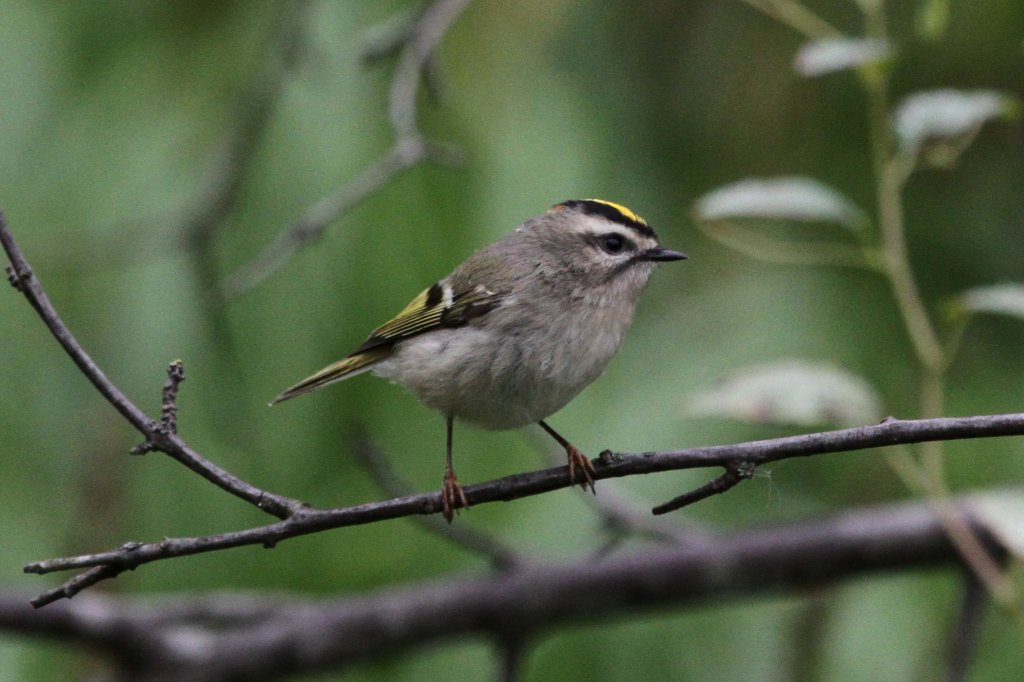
599, 229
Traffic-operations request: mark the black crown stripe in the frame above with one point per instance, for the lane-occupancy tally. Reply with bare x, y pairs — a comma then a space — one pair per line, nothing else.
616, 213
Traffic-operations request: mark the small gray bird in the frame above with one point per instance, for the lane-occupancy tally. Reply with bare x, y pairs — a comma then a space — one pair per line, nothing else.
518, 329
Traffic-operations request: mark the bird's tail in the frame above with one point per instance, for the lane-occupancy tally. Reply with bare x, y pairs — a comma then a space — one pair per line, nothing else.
354, 364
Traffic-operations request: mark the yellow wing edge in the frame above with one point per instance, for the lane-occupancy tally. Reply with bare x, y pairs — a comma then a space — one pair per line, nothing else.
357, 363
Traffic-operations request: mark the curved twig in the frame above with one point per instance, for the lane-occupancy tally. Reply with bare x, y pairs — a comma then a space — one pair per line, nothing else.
155, 432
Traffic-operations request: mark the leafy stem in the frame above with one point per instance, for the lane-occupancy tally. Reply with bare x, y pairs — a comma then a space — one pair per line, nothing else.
891, 173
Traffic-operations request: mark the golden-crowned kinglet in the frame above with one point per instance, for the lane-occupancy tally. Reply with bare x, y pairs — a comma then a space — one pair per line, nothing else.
519, 328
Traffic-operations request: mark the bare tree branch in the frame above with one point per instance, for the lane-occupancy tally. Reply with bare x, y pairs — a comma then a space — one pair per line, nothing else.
964, 639
226, 176
237, 637
405, 154
734, 474
230, 167
623, 515
306, 520
424, 38
512, 655
300, 519
153, 431
409, 149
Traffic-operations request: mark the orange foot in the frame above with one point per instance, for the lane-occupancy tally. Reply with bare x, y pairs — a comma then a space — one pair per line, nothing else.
578, 459
452, 496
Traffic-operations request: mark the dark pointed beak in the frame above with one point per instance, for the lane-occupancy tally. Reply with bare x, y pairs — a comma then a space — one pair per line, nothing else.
660, 254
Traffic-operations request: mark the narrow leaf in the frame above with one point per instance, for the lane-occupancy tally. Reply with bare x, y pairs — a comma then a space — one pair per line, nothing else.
1002, 512
838, 54
790, 392
932, 19
784, 198
997, 299
946, 115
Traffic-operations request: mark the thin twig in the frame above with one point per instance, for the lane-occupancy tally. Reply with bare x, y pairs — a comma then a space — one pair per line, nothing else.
609, 465
225, 179
892, 170
168, 406
423, 41
229, 170
734, 474
410, 148
404, 154
890, 176
75, 585
623, 514
796, 16
968, 625
152, 430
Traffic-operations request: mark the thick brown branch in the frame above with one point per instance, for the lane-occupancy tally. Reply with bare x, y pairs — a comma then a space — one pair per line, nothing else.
261, 639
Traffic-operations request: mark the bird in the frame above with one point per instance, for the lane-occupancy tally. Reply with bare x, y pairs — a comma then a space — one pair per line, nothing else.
516, 330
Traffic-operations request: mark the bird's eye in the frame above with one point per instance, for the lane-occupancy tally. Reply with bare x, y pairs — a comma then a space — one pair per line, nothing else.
613, 243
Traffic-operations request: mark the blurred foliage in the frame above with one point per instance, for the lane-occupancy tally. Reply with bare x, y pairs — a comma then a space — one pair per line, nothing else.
112, 118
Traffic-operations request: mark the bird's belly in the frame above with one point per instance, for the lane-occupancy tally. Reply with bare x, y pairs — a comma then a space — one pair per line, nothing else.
496, 380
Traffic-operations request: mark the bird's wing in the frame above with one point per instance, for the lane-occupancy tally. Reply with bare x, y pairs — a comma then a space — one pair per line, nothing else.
442, 305
342, 369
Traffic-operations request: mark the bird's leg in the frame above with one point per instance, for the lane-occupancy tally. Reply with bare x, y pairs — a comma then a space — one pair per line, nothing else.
576, 459
451, 491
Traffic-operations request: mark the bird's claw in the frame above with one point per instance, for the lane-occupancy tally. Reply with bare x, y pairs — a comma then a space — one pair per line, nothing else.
578, 460
452, 496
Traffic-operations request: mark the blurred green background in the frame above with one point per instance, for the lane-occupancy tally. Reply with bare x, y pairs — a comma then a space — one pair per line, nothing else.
112, 117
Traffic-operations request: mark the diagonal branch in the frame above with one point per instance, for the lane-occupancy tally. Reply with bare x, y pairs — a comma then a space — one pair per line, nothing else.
733, 476
153, 431
408, 150
404, 154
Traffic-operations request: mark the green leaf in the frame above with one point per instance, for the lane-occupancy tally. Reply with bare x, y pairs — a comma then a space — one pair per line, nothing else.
784, 198
1002, 512
932, 19
790, 392
937, 117
997, 299
829, 55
